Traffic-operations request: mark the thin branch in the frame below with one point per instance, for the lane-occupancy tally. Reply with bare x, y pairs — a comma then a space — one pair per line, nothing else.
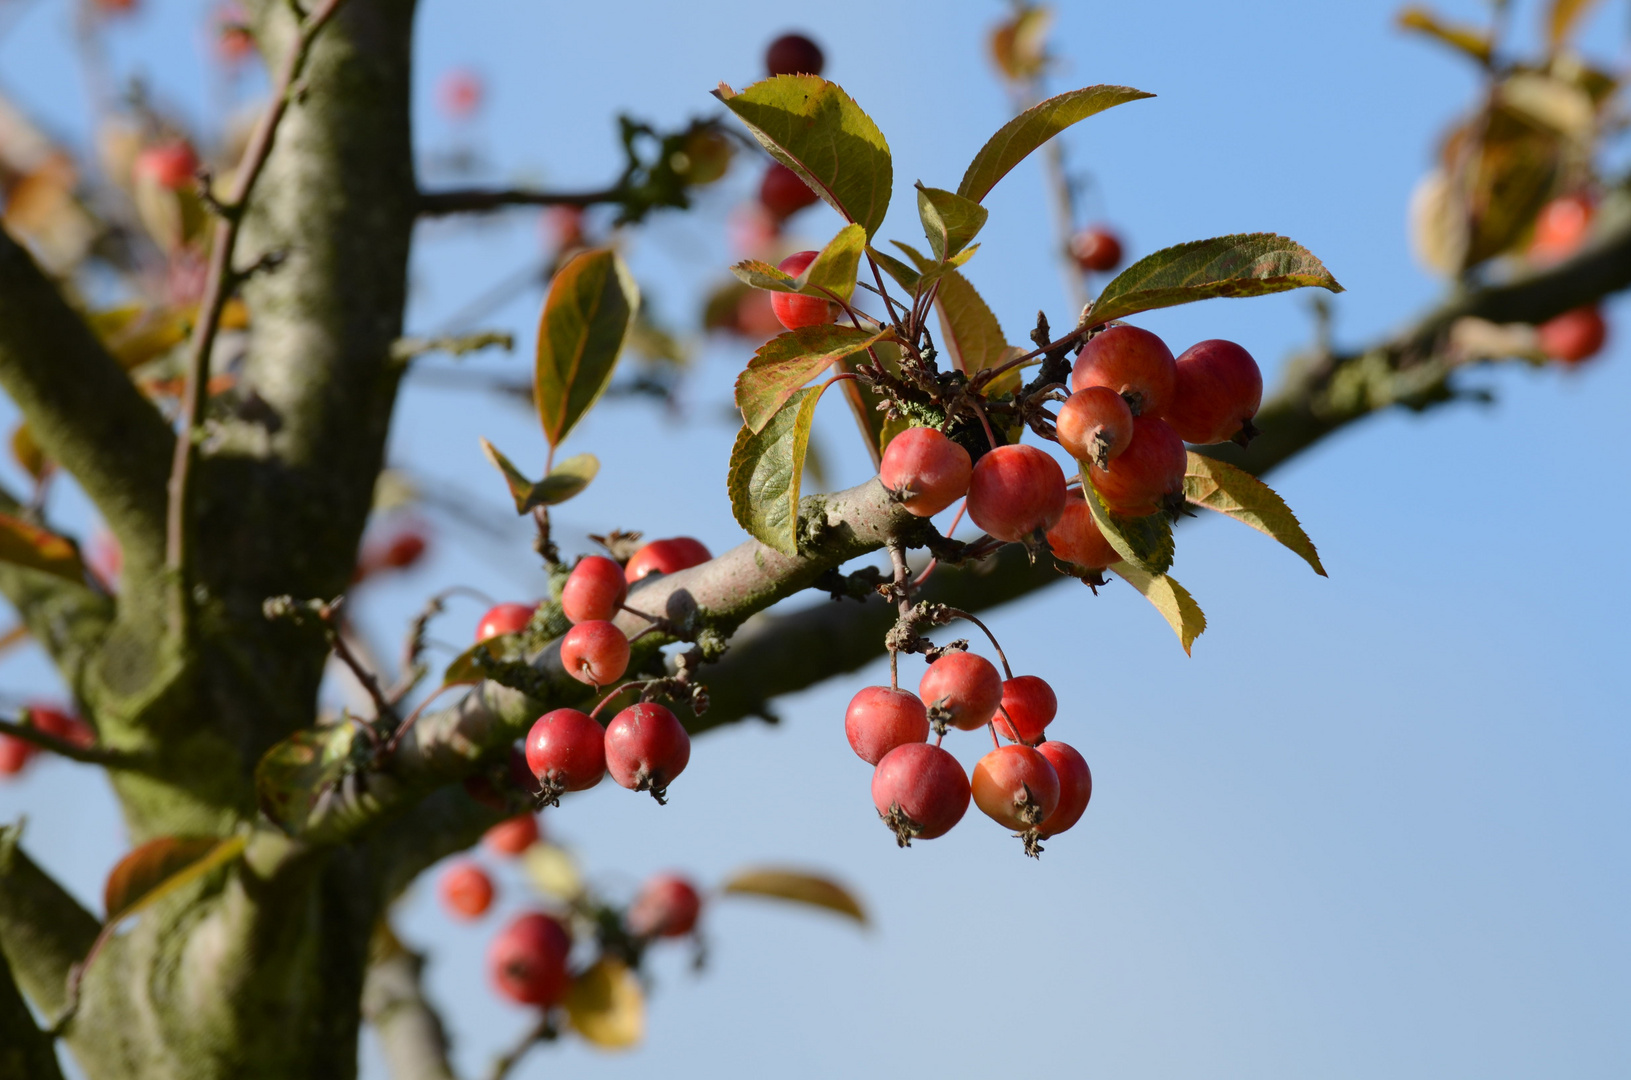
487, 200
541, 1031
89, 755
220, 281
411, 1034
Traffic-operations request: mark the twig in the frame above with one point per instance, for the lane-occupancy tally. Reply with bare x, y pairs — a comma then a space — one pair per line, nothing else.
219, 283
405, 349
542, 1031
90, 755
486, 200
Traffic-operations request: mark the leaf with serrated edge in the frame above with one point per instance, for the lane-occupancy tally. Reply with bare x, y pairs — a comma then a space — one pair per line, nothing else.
950, 221
586, 319
1015, 140
788, 361
761, 275
1249, 264
25, 544
814, 128
1171, 599
796, 886
1220, 486
160, 867
1144, 542
766, 470
606, 1005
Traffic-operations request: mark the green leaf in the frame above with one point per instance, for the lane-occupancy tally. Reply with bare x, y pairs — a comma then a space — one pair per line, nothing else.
1144, 542
160, 867
761, 275
1248, 264
814, 128
586, 318
831, 273
1015, 140
766, 470
796, 886
1461, 38
25, 544
1220, 486
470, 666
788, 361
950, 221
1171, 599
564, 480
904, 275
294, 777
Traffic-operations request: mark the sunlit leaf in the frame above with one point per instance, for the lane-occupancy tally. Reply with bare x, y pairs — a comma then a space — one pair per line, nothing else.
586, 318
296, 775
564, 481
950, 221
797, 887
904, 275
606, 1005
1018, 44
1015, 140
1248, 264
786, 362
814, 128
1220, 486
767, 469
469, 666
1461, 38
1171, 599
23, 543
1144, 542
27, 453
831, 273
160, 867
1561, 19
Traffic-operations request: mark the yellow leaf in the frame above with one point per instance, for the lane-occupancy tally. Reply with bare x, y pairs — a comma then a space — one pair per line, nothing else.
1171, 599
1219, 486
1561, 18
28, 454
160, 867
552, 871
800, 888
26, 544
1460, 38
606, 1005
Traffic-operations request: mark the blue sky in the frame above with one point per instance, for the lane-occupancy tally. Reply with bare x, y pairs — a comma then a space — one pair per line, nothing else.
1376, 825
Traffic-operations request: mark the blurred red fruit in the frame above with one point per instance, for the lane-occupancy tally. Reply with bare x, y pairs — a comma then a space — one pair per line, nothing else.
1561, 227
783, 193
794, 54
65, 726
527, 960
15, 754
513, 835
1574, 336
466, 890
460, 93
1096, 248
172, 164
668, 906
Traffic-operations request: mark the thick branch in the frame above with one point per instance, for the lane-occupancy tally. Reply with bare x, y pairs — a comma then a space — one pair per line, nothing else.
487, 200
410, 1033
26, 1052
43, 931
81, 407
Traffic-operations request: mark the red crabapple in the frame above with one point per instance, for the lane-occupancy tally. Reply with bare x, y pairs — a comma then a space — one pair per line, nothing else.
920, 792
1028, 707
1131, 361
667, 906
1574, 336
796, 310
1096, 248
566, 751
404, 550
784, 193
466, 890
666, 557
1095, 425
1077, 540
879, 719
1217, 393
646, 748
171, 164
931, 466
15, 754
527, 960
1149, 475
1016, 492
594, 590
65, 726
1015, 786
794, 54
513, 835
595, 652
1561, 227
504, 619
1075, 787
962, 689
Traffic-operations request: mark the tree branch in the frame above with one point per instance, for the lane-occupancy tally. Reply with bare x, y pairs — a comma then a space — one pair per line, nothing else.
410, 1032
89, 755
81, 407
26, 1052
43, 931
487, 200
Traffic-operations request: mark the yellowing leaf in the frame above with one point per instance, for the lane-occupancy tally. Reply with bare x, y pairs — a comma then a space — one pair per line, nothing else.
788, 361
833, 270
27, 453
564, 480
1220, 486
606, 1005
23, 543
1144, 542
585, 321
767, 469
1015, 140
1561, 19
1018, 45
552, 871
950, 221
797, 887
160, 867
1171, 599
1461, 38
1248, 264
